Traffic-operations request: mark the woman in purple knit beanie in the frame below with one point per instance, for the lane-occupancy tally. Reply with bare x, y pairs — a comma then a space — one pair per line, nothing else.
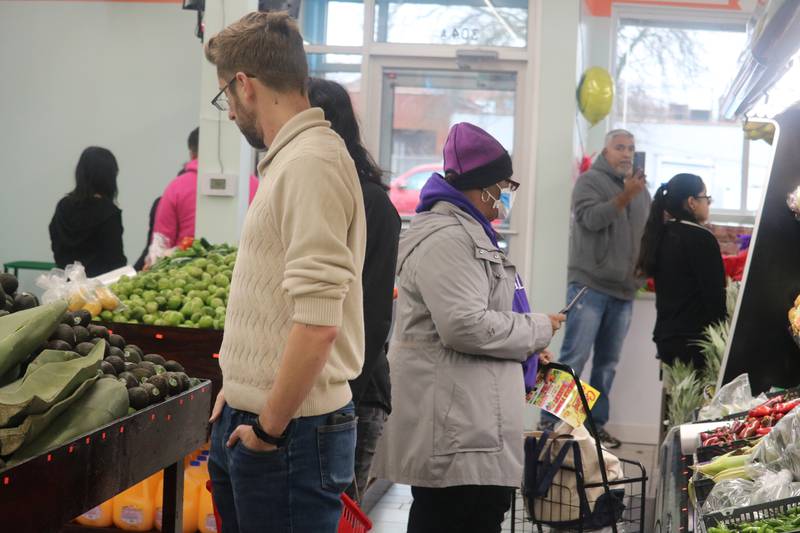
464, 347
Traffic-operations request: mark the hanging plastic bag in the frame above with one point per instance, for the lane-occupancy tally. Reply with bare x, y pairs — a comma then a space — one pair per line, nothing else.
733, 397
160, 247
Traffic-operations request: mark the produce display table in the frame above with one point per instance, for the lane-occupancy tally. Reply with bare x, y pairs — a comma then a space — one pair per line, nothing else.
196, 349
43, 494
16, 266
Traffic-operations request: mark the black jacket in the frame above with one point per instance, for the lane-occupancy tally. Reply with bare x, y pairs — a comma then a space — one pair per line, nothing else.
89, 231
690, 282
383, 233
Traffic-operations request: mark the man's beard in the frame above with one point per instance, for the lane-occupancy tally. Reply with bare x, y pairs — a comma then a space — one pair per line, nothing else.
247, 125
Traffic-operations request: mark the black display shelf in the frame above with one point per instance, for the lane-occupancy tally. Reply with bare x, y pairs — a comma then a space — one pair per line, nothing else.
46, 492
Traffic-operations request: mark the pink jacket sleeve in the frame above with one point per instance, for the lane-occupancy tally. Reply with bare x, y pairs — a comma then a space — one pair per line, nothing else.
166, 222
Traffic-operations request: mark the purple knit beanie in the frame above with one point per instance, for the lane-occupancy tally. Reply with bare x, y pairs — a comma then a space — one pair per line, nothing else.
476, 157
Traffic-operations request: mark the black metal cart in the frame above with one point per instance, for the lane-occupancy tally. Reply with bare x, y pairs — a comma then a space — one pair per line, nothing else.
621, 501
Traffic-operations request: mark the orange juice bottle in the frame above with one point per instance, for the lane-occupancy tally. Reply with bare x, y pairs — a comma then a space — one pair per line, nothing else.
100, 516
191, 490
133, 508
206, 522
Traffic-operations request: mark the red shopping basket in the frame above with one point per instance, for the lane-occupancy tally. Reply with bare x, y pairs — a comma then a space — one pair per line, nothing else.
353, 519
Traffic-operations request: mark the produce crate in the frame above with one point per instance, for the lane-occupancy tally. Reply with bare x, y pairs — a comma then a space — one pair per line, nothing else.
46, 492
743, 515
196, 349
707, 453
702, 488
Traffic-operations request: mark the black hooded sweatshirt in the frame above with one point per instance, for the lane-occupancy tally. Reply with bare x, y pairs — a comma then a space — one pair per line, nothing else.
89, 231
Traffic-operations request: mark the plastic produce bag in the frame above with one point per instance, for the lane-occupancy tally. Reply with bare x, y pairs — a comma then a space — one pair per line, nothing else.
766, 486
780, 448
733, 397
54, 284
106, 400
80, 292
160, 247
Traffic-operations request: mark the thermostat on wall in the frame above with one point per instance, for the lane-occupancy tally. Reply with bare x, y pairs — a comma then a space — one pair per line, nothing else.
218, 184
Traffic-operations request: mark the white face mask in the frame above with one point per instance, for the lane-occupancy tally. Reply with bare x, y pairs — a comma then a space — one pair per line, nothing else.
504, 203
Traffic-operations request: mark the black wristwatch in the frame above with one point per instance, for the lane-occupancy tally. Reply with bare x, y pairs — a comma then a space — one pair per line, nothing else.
266, 437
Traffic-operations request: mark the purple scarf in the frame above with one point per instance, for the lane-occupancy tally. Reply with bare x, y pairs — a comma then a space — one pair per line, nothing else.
437, 189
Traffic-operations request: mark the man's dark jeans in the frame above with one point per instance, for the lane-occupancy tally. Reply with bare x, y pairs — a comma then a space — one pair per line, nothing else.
295, 488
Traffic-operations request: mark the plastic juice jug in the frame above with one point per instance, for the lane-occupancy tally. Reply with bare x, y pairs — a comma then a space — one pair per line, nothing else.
191, 490
203, 475
100, 516
206, 522
133, 508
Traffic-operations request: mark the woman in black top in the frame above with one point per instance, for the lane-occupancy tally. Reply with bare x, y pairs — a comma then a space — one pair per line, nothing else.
372, 389
87, 224
685, 260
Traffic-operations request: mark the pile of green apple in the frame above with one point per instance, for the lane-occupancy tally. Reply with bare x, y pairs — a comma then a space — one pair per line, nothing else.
190, 292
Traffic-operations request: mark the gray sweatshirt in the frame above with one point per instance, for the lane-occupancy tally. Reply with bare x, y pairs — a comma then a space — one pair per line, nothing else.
604, 241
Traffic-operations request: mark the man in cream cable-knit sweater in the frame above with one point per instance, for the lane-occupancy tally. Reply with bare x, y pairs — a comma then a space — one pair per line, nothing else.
283, 439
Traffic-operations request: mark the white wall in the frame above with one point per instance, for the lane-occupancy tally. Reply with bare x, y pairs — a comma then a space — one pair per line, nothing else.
123, 76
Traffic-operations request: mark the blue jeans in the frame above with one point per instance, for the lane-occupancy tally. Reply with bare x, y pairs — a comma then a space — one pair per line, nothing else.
601, 322
295, 488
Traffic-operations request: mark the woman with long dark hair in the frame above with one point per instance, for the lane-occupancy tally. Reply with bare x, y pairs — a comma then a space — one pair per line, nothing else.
372, 389
87, 224
685, 261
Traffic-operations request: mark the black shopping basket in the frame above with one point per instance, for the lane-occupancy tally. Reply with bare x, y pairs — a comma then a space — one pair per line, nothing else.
581, 504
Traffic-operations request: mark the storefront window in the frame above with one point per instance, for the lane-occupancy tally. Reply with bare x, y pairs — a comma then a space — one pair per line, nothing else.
457, 22
333, 23
344, 69
671, 79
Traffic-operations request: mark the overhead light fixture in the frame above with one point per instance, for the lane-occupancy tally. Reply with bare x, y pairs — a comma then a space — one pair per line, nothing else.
194, 5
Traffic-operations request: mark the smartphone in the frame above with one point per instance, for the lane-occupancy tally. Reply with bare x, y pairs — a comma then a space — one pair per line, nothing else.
577, 297
638, 161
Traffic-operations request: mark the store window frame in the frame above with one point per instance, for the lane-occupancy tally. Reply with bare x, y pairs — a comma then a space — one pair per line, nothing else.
375, 55
701, 19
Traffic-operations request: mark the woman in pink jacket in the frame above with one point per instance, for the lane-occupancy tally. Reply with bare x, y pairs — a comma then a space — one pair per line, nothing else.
175, 216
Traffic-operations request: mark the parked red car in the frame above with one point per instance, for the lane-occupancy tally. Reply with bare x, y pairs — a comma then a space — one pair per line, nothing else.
404, 189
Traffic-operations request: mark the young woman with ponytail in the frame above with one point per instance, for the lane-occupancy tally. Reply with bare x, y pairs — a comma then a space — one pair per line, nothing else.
685, 261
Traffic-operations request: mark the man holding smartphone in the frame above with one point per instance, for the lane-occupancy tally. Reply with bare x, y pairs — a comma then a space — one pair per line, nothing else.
610, 205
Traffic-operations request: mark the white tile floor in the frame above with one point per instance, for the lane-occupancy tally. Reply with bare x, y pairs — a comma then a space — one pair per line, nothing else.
390, 514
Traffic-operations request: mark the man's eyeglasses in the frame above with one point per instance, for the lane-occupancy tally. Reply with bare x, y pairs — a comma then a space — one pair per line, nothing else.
704, 196
221, 100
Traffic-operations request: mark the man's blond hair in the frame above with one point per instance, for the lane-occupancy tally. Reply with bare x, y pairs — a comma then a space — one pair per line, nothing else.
267, 46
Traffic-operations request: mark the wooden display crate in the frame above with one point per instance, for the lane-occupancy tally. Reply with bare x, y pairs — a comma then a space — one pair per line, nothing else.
46, 492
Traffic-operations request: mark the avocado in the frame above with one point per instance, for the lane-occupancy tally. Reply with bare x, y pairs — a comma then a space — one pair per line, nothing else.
117, 363
138, 398
142, 374
150, 366
9, 283
153, 392
7, 302
57, 344
3, 313
184, 379
82, 317
81, 334
108, 376
84, 348
107, 368
116, 351
108, 346
161, 382
132, 356
174, 366
117, 341
24, 300
68, 319
154, 358
129, 367
136, 348
160, 370
98, 331
128, 379
174, 382
64, 333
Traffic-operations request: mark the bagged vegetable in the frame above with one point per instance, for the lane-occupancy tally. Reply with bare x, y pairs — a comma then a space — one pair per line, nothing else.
105, 401
22, 332
12, 438
47, 383
733, 397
